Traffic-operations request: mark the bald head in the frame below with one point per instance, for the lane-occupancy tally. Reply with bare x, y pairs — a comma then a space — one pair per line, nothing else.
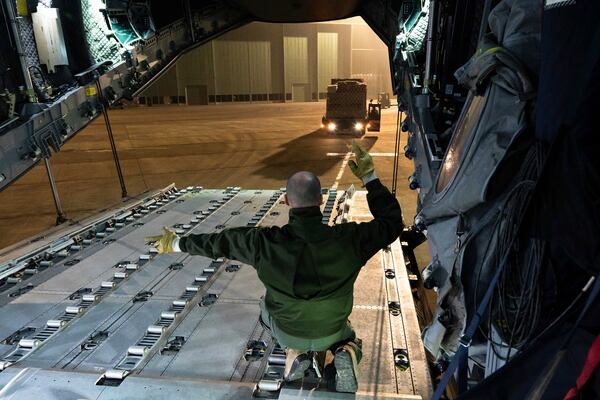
303, 190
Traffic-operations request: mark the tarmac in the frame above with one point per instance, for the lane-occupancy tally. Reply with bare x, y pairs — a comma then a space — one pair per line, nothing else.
256, 145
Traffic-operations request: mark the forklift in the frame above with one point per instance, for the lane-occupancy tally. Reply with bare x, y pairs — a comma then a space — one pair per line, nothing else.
374, 116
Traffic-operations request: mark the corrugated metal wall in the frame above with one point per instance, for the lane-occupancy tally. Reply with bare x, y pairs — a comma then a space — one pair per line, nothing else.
327, 60
231, 67
370, 60
196, 68
295, 61
260, 62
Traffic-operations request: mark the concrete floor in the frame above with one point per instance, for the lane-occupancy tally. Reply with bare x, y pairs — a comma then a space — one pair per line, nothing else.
248, 145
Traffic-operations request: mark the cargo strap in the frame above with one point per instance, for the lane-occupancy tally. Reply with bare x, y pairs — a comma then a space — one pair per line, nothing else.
465, 340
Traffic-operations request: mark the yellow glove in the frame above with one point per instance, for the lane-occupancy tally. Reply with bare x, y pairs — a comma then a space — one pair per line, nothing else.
364, 162
164, 242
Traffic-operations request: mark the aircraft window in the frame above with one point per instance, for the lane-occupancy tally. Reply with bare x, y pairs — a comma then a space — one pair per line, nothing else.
458, 144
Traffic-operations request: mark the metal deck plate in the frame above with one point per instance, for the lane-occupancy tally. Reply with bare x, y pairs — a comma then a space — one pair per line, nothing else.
210, 364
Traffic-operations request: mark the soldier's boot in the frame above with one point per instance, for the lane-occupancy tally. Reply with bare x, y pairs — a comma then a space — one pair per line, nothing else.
346, 361
296, 364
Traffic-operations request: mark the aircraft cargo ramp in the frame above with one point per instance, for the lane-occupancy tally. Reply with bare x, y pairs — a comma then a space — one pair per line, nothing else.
91, 312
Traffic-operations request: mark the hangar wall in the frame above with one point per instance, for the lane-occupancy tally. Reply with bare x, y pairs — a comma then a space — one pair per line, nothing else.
275, 62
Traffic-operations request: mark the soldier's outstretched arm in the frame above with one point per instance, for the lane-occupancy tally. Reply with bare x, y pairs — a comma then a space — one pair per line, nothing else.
234, 243
387, 223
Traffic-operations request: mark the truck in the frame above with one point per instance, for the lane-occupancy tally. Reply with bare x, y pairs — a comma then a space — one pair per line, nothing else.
346, 107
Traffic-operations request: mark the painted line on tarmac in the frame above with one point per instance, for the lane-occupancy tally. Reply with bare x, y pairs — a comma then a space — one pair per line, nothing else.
372, 154
341, 171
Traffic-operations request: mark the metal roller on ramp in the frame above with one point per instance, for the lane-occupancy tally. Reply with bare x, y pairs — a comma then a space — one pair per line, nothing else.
105, 317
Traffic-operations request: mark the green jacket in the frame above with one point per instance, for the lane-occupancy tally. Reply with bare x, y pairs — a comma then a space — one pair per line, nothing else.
308, 268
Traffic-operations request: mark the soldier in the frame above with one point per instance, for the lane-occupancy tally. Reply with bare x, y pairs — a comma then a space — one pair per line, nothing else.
308, 268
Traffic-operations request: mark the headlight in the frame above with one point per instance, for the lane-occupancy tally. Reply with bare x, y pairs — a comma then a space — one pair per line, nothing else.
358, 126
322, 126
368, 125
331, 126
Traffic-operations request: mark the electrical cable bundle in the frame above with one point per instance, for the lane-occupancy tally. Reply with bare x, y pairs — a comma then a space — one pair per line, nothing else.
515, 308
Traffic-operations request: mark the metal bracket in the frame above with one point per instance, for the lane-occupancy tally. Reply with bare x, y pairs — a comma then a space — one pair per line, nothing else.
208, 299
94, 340
144, 295
22, 333
173, 345
465, 341
255, 350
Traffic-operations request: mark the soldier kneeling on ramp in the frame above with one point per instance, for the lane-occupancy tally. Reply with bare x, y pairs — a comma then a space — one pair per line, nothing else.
308, 269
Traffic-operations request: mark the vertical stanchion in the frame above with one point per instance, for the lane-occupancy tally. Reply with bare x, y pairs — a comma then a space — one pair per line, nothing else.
396, 152
102, 101
60, 215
